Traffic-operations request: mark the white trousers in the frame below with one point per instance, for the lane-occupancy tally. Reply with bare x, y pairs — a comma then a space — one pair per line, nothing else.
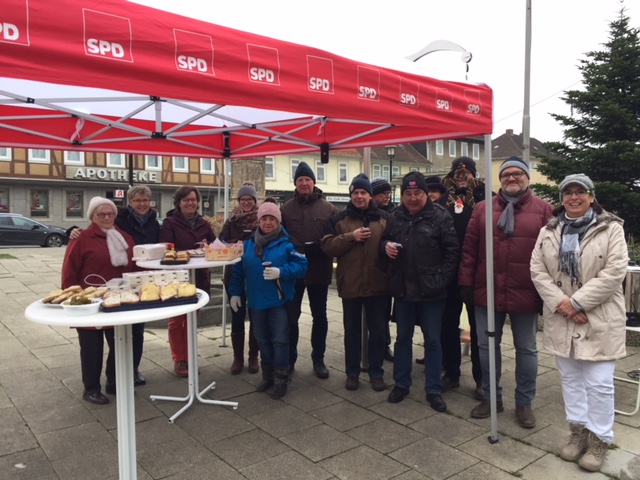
588, 392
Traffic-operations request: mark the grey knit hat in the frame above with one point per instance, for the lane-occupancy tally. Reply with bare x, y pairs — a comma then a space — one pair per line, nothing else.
380, 185
577, 179
515, 162
247, 189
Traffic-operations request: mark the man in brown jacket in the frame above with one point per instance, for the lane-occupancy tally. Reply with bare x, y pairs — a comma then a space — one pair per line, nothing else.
362, 279
306, 218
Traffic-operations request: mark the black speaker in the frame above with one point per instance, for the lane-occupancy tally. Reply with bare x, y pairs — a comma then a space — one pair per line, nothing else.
324, 152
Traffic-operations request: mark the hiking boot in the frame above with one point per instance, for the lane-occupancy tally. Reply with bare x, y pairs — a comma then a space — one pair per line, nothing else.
436, 402
483, 409
578, 443
525, 416
282, 377
596, 453
267, 377
352, 383
449, 383
237, 342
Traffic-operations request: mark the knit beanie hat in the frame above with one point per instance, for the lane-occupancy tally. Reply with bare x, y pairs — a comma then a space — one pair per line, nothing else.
578, 179
98, 202
414, 180
247, 189
464, 162
360, 181
435, 183
304, 170
269, 208
379, 185
515, 162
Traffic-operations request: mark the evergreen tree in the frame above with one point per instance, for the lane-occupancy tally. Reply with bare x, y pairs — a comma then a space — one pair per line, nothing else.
602, 136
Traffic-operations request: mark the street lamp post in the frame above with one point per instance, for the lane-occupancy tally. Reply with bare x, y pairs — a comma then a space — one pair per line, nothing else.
391, 153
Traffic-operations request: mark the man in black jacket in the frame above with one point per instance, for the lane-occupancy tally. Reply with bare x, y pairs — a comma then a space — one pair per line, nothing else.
421, 241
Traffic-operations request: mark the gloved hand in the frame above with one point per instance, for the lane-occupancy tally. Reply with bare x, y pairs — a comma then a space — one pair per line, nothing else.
466, 295
271, 273
235, 303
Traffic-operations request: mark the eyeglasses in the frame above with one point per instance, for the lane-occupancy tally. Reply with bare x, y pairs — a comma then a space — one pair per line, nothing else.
580, 193
105, 215
189, 200
141, 200
247, 200
516, 175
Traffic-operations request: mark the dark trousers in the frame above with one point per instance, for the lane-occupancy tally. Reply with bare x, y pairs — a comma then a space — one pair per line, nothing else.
374, 308
388, 316
137, 334
91, 354
318, 305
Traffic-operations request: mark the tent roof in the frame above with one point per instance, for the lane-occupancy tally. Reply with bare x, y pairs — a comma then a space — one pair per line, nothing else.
168, 63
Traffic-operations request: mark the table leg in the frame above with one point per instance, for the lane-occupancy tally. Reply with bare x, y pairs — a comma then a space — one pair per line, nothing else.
125, 403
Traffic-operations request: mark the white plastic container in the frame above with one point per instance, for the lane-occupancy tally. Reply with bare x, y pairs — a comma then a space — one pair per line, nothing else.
81, 310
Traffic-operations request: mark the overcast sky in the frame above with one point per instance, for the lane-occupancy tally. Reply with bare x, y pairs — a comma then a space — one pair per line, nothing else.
383, 32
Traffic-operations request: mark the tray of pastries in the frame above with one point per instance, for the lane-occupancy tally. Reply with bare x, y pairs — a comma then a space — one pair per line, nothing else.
171, 257
150, 295
57, 297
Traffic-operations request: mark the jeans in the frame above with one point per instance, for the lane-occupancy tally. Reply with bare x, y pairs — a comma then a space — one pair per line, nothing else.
318, 305
450, 334
429, 316
238, 318
524, 327
271, 329
374, 308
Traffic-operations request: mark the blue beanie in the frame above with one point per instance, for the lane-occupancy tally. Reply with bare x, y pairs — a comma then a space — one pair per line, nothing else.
360, 181
515, 162
304, 170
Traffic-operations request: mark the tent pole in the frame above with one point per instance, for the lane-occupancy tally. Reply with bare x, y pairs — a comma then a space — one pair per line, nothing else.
226, 170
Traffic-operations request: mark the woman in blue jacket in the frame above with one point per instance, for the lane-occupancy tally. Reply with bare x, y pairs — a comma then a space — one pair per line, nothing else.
268, 272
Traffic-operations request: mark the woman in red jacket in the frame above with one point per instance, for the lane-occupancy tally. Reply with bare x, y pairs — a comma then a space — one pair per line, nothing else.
105, 250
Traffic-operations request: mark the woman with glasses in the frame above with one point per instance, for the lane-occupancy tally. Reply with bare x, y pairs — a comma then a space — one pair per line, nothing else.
185, 228
578, 266
240, 226
105, 250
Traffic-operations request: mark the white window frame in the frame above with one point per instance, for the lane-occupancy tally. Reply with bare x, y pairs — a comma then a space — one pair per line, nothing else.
385, 172
464, 149
475, 151
269, 163
176, 168
321, 172
153, 168
395, 172
414, 169
343, 167
375, 170
73, 161
293, 163
121, 162
207, 171
533, 165
452, 148
36, 158
439, 147
6, 154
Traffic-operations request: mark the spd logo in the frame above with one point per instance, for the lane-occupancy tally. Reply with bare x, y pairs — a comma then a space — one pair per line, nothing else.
14, 25
368, 84
474, 106
320, 74
409, 93
264, 64
194, 52
107, 36
444, 100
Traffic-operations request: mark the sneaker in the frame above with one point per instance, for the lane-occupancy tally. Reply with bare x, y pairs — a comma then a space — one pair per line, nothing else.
448, 383
181, 369
525, 416
483, 409
397, 394
436, 402
352, 383
377, 383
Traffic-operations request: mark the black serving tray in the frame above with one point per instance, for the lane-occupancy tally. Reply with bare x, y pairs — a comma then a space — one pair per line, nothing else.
172, 262
156, 304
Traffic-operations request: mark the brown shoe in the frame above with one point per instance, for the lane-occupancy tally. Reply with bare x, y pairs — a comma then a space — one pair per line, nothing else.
578, 443
181, 369
478, 393
525, 416
237, 365
483, 409
377, 383
594, 458
448, 383
352, 383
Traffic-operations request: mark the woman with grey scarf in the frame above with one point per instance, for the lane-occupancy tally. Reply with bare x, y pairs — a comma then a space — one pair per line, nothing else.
578, 266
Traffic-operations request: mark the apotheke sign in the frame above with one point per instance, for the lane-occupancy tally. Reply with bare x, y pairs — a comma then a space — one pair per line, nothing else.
111, 175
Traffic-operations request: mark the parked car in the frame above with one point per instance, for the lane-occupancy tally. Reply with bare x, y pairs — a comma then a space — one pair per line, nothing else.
16, 229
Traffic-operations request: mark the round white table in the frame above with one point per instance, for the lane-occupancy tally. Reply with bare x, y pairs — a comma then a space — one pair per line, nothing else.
121, 321
193, 393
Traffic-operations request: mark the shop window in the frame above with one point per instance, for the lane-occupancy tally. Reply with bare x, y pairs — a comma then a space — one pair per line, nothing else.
4, 200
39, 203
75, 204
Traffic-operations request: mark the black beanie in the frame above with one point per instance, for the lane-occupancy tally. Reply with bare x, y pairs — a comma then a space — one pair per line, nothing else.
304, 170
465, 162
435, 183
380, 185
360, 181
414, 180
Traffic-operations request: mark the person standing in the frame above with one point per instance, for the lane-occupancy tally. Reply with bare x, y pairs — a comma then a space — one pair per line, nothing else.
518, 216
104, 250
268, 272
354, 239
240, 226
381, 189
422, 244
185, 228
578, 266
306, 218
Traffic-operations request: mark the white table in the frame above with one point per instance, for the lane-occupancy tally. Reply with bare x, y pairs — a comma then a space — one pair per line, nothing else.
121, 321
193, 393
634, 382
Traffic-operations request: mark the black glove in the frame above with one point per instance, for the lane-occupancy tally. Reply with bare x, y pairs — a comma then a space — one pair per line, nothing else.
466, 295
312, 249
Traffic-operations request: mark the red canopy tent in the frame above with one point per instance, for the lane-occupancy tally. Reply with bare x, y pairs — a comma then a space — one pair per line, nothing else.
164, 60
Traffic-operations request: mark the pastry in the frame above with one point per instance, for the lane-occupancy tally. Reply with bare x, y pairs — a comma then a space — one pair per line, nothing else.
61, 298
51, 296
111, 299
128, 297
186, 290
149, 292
169, 291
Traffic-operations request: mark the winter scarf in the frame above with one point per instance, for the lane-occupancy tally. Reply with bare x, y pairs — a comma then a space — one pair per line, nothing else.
263, 240
244, 220
117, 247
465, 193
573, 230
507, 221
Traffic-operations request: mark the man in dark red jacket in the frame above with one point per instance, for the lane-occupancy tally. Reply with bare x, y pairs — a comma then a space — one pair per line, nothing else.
518, 216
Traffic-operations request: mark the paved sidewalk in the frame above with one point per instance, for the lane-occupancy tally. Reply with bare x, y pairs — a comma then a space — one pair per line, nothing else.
318, 431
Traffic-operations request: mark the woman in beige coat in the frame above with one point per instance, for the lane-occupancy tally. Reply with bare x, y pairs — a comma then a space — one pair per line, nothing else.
578, 266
